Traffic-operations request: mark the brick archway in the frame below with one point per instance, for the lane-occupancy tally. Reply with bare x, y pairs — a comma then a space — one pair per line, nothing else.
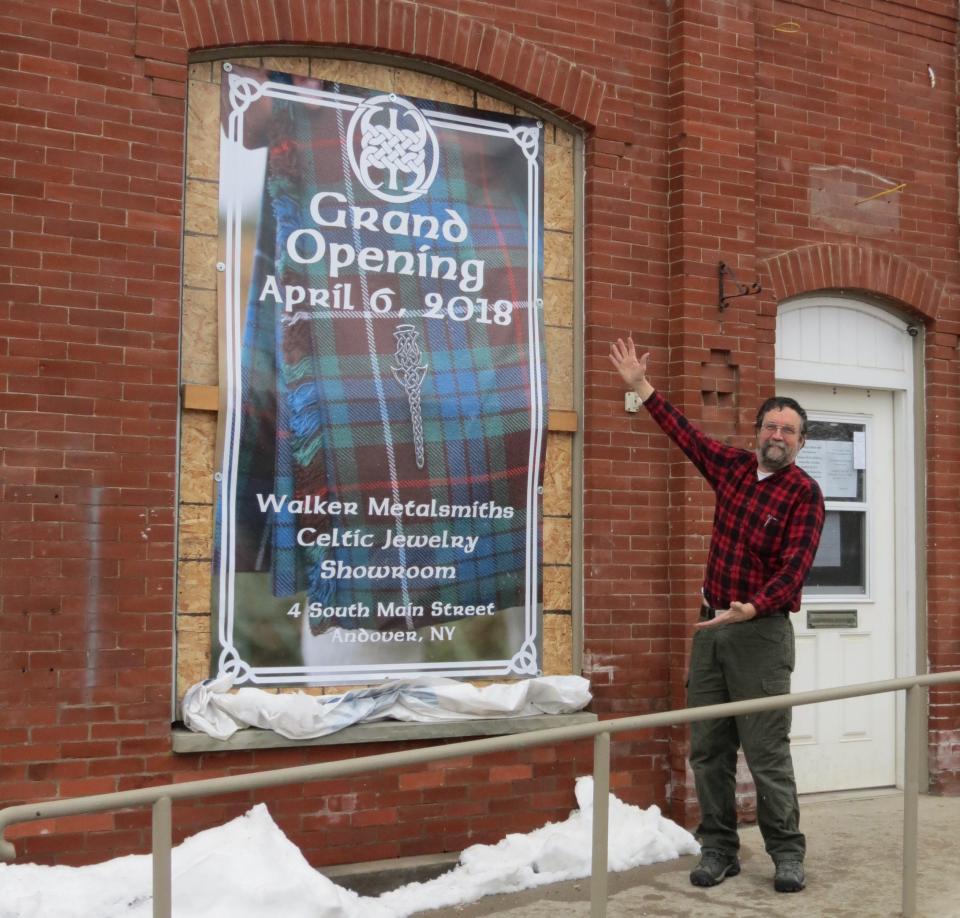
851, 267
405, 28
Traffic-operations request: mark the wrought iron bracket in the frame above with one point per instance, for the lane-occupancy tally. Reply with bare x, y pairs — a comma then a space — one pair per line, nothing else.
723, 272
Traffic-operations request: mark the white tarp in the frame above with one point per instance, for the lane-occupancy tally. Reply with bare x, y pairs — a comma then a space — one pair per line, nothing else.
210, 707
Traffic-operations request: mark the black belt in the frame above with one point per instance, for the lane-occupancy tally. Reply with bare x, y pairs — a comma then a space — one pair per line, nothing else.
708, 612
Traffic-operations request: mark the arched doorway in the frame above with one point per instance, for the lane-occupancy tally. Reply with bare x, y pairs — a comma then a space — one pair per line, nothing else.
851, 365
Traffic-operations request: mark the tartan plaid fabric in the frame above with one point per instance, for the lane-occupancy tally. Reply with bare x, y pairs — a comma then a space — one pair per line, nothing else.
323, 412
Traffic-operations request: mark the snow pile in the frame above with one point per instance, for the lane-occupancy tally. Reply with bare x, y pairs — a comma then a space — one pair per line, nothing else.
248, 868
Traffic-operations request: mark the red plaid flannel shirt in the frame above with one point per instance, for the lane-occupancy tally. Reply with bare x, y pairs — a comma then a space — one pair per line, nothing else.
765, 533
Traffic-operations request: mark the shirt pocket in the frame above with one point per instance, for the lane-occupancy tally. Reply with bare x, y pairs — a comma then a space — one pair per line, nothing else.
766, 538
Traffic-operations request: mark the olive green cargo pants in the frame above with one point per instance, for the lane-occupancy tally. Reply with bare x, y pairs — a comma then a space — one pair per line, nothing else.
734, 662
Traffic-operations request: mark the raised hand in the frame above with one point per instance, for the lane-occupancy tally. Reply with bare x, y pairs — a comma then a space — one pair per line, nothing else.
632, 369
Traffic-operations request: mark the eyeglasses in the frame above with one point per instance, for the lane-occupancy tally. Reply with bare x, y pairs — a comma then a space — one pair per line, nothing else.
770, 429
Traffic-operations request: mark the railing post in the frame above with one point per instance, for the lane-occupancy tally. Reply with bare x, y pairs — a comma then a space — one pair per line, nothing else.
911, 798
162, 840
601, 821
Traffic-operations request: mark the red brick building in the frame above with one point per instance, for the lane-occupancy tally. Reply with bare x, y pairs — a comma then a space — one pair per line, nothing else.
810, 146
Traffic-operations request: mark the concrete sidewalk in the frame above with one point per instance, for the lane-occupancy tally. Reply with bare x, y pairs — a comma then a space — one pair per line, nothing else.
853, 871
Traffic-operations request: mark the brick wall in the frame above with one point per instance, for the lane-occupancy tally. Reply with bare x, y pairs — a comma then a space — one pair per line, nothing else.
704, 120
873, 88
90, 305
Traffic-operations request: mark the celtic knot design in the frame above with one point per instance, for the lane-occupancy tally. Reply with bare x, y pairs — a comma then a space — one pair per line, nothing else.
231, 664
244, 91
528, 139
395, 150
524, 661
409, 373
390, 136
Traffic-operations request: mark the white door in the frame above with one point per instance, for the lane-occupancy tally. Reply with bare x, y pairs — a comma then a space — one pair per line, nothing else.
846, 628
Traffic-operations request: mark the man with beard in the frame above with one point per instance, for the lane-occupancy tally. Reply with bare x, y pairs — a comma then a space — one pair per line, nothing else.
766, 527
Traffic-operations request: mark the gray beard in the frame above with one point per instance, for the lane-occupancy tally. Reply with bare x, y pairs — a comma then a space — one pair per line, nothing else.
771, 464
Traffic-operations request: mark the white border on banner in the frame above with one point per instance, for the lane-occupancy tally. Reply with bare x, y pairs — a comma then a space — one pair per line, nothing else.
243, 92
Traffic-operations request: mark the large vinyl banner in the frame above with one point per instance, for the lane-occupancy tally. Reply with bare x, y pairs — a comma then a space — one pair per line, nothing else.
383, 408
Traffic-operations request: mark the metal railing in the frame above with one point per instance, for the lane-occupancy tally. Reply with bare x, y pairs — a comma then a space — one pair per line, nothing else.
161, 798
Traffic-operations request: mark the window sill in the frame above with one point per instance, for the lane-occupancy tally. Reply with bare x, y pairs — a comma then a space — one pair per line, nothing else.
186, 742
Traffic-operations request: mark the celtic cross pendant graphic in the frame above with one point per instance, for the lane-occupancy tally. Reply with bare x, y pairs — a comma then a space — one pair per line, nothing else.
409, 373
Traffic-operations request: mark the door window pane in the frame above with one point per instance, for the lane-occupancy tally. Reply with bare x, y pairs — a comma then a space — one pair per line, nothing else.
835, 455
840, 564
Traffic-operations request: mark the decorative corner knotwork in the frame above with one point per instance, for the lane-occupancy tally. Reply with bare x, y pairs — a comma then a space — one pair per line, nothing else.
723, 272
